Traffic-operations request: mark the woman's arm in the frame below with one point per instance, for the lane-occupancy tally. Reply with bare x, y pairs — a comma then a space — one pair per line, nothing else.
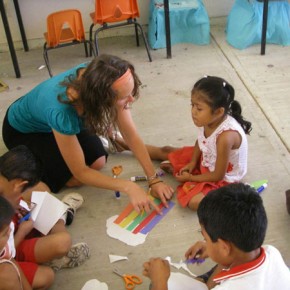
74, 157
133, 140
226, 141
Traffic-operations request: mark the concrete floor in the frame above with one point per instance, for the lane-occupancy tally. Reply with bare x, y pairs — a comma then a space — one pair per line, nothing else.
162, 115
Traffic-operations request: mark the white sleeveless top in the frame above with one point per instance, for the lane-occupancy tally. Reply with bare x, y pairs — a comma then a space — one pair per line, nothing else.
237, 167
9, 251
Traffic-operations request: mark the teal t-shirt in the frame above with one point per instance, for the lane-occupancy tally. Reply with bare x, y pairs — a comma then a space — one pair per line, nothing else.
39, 111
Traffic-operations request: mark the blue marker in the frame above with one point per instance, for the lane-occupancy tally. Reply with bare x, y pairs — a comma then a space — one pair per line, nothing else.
262, 187
117, 194
25, 218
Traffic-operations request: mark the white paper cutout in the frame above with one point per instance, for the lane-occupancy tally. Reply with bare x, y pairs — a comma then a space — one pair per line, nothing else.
115, 258
125, 236
179, 281
95, 284
180, 265
47, 211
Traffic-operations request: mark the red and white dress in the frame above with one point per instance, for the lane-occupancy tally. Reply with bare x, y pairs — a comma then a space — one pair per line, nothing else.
237, 166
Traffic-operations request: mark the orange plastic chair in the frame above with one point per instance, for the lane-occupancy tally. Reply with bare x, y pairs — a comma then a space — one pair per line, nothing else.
64, 28
120, 13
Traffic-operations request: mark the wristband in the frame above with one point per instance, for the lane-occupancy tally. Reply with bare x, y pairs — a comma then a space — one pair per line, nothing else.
150, 185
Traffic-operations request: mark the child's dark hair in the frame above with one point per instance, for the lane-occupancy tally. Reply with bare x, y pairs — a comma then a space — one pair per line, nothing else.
234, 213
19, 162
6, 212
219, 93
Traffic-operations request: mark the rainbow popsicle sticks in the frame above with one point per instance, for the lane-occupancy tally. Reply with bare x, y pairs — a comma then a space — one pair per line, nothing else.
135, 223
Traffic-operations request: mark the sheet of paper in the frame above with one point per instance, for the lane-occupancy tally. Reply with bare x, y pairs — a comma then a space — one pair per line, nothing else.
95, 284
115, 258
119, 233
179, 281
180, 265
47, 211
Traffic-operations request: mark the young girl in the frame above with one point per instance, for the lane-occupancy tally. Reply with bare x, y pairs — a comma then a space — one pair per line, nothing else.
59, 121
219, 156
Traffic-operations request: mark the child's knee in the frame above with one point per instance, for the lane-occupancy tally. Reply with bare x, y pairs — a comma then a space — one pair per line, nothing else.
44, 278
62, 243
195, 201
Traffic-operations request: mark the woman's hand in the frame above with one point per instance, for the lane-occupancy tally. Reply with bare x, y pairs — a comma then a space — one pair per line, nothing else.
158, 271
140, 199
162, 191
198, 250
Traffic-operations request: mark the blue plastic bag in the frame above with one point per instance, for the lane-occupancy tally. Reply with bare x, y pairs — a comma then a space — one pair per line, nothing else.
244, 24
189, 23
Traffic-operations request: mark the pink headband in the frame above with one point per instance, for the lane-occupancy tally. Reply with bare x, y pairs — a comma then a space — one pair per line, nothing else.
122, 79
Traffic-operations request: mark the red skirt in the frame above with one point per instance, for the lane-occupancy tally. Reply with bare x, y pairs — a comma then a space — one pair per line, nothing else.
186, 191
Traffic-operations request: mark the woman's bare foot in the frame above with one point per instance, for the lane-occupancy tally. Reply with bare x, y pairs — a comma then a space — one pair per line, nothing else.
73, 182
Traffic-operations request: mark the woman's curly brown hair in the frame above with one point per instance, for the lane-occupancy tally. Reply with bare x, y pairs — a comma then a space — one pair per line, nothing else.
95, 91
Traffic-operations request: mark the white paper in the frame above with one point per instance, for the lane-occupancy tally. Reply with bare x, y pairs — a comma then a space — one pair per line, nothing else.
179, 281
115, 258
180, 265
95, 284
47, 211
117, 232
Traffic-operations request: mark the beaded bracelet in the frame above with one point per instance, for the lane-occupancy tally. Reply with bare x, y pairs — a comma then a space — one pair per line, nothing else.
150, 178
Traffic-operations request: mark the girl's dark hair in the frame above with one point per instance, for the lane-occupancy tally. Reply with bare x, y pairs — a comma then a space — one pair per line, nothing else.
19, 162
95, 91
234, 213
6, 212
218, 93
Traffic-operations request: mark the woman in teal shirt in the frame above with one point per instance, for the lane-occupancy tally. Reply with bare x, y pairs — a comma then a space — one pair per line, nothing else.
60, 121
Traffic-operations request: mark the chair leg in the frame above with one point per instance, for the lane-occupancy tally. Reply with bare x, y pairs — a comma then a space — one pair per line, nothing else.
145, 40
96, 39
86, 48
45, 56
91, 37
91, 46
136, 33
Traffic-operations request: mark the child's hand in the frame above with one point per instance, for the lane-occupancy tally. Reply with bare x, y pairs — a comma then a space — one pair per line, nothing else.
158, 270
183, 177
188, 168
198, 250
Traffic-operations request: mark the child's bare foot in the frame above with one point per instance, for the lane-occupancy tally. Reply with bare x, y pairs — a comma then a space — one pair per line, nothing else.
116, 142
167, 166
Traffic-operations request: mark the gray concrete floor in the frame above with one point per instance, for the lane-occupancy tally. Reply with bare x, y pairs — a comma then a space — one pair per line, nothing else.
162, 115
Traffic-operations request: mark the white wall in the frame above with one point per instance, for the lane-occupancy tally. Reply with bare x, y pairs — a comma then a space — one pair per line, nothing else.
34, 13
